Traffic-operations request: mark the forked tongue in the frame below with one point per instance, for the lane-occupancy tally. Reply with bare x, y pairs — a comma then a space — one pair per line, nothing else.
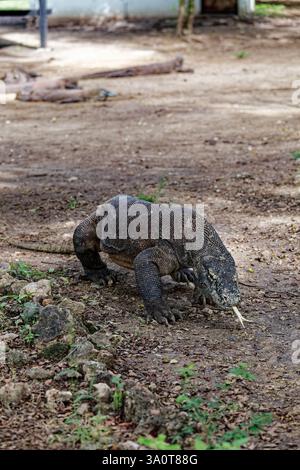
240, 316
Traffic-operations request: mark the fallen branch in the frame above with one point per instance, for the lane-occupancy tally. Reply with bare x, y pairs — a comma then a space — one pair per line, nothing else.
28, 87
63, 96
157, 68
42, 84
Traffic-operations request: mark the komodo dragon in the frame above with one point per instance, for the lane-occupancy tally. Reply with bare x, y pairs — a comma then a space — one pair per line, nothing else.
211, 268
214, 272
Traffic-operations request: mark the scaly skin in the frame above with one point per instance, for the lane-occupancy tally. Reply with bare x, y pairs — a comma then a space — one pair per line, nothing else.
65, 248
213, 268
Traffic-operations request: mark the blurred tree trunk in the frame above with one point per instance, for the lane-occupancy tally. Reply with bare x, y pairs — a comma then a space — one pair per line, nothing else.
191, 16
186, 15
181, 18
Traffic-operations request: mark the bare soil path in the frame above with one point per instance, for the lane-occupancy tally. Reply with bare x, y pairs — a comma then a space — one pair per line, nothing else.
224, 136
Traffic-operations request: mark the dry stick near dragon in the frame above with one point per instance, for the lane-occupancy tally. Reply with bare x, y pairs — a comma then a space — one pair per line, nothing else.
213, 268
29, 87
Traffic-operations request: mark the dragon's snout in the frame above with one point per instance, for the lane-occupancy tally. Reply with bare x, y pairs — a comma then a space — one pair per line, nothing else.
226, 300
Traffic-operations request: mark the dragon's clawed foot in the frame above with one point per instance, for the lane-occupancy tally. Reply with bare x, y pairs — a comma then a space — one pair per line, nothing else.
184, 275
102, 276
159, 311
199, 299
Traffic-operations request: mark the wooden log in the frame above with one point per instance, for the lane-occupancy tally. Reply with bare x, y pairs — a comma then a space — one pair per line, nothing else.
157, 68
62, 96
43, 83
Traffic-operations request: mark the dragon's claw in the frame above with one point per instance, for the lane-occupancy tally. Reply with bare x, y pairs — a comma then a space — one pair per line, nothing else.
160, 312
103, 276
184, 275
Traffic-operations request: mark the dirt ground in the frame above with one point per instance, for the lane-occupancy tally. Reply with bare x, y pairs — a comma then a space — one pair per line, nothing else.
223, 135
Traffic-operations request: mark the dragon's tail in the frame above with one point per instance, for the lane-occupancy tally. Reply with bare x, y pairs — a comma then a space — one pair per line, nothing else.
64, 248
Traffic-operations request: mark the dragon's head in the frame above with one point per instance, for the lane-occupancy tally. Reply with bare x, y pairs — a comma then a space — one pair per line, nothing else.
218, 281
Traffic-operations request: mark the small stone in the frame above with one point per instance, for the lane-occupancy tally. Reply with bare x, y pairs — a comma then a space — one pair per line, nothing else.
56, 351
46, 302
16, 359
67, 374
139, 400
56, 398
83, 409
152, 387
8, 337
295, 411
95, 372
4, 321
129, 445
4, 268
38, 373
101, 341
82, 349
76, 308
106, 357
14, 393
155, 412
173, 361
53, 322
39, 290
103, 392
5, 282
17, 286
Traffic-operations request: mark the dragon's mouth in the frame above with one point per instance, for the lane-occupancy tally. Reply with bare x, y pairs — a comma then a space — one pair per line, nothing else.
219, 306
240, 316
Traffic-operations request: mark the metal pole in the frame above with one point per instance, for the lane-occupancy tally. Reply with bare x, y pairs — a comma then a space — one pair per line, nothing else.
43, 23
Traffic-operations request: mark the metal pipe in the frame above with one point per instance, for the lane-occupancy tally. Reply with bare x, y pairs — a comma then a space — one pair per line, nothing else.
43, 23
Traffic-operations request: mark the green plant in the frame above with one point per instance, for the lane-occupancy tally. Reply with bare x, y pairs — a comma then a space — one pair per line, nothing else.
154, 197
19, 298
27, 334
205, 418
157, 443
259, 421
55, 352
241, 371
187, 372
14, 5
296, 155
73, 203
241, 54
270, 9
87, 431
235, 444
22, 270
118, 394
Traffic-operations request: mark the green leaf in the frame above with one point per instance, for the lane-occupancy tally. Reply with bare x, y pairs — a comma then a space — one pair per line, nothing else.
157, 443
296, 155
241, 370
200, 444
147, 198
259, 421
270, 9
